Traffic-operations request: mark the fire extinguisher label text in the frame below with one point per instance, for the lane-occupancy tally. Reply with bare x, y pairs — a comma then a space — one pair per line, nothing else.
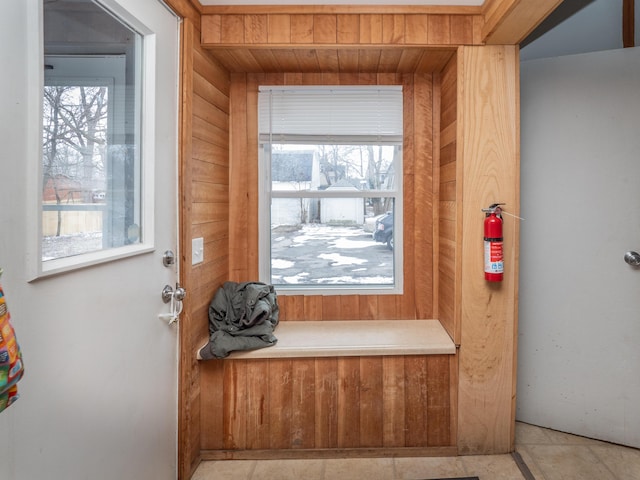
493, 257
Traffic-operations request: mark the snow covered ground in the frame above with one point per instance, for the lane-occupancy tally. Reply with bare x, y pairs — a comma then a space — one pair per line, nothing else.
322, 254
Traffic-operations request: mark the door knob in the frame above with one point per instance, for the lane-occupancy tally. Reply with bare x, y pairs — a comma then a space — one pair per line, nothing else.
632, 258
168, 293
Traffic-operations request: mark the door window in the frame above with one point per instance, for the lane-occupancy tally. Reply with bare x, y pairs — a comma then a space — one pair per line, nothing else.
91, 165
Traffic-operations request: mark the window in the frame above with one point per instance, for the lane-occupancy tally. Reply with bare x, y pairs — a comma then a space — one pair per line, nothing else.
91, 165
331, 193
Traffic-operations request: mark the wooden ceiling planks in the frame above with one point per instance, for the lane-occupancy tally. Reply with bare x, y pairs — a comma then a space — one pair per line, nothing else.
358, 38
332, 60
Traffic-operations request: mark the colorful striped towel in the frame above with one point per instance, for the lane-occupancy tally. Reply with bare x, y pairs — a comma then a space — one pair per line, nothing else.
11, 366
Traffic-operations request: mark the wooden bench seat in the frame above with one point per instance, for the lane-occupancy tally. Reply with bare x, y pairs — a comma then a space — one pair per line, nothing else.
343, 338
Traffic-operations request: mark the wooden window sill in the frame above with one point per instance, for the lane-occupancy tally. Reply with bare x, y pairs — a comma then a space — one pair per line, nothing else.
355, 338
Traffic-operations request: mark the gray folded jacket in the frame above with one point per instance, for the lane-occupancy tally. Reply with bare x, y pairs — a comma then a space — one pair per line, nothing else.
242, 316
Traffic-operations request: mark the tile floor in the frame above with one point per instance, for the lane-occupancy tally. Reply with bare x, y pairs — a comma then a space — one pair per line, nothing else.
549, 455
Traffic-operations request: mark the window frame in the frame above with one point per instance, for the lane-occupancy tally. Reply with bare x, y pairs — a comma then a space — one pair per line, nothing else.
266, 195
143, 60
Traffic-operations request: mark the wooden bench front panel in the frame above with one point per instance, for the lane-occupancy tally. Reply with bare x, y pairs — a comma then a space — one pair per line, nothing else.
326, 403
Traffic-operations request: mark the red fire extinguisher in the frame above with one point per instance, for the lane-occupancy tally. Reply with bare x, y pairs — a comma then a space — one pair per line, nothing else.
493, 242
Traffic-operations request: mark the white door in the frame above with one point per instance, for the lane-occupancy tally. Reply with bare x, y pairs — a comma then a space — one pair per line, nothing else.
99, 395
579, 328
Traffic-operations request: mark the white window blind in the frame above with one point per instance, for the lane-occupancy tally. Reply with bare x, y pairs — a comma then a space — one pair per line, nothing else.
368, 113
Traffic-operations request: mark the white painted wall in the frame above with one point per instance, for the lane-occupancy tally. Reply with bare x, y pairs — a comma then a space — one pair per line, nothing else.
579, 326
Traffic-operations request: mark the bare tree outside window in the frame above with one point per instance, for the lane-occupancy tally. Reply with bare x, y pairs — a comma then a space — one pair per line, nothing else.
91, 172
74, 143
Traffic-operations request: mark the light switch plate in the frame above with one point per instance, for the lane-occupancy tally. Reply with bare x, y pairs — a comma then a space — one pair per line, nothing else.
197, 251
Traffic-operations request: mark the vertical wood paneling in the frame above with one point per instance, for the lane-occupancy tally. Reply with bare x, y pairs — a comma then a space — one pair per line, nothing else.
239, 207
348, 402
392, 29
393, 405
204, 161
211, 406
325, 29
416, 29
312, 308
371, 29
438, 400
231, 28
316, 399
348, 29
342, 28
257, 405
280, 403
211, 28
251, 152
279, 27
303, 404
234, 423
439, 30
417, 301
188, 389
349, 307
345, 402
448, 223
326, 403
256, 29
461, 29
371, 405
423, 217
302, 29
435, 162
331, 307
368, 306
416, 420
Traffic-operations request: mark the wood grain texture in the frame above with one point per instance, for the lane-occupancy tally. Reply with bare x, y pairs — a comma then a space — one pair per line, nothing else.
316, 29
254, 42
327, 403
417, 300
461, 107
302, 8
204, 133
188, 379
508, 22
325, 59
488, 97
448, 291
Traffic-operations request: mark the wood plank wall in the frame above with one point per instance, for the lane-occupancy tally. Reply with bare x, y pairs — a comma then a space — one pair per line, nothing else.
357, 402
380, 402
204, 211
448, 225
489, 153
417, 300
277, 407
